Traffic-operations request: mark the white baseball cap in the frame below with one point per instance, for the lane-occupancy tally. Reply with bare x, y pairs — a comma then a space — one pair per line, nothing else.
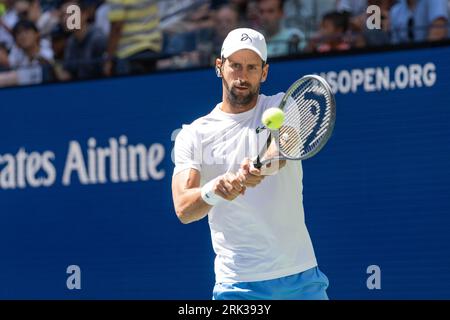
244, 38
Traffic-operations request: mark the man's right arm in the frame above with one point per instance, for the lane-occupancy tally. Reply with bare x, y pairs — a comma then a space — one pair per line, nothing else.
187, 199
187, 195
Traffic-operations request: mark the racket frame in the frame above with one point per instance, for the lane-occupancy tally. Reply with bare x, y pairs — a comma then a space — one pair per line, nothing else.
258, 163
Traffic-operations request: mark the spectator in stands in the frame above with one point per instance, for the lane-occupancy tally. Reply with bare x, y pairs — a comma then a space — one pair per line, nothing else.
4, 61
354, 7
419, 20
189, 39
332, 33
83, 56
306, 14
252, 15
32, 61
10, 17
280, 41
5, 36
48, 19
364, 37
199, 19
358, 13
28, 50
448, 22
226, 19
59, 37
23, 10
34, 11
101, 17
241, 7
135, 40
31, 10
179, 16
207, 42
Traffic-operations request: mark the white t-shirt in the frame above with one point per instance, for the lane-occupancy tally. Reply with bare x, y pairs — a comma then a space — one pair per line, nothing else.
261, 235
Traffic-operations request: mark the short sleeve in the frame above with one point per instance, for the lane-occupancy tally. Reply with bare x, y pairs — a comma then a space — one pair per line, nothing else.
187, 151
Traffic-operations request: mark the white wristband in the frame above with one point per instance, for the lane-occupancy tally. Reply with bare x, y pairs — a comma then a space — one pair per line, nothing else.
208, 194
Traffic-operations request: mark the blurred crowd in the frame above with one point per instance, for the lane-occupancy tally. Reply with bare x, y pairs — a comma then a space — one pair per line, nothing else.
62, 40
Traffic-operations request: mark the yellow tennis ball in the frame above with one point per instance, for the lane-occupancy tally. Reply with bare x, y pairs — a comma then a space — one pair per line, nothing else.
273, 118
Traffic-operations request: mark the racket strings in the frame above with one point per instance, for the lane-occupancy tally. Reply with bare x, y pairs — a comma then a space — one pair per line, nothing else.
292, 134
301, 119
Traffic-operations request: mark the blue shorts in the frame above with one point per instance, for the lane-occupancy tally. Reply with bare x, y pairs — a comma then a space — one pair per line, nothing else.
307, 285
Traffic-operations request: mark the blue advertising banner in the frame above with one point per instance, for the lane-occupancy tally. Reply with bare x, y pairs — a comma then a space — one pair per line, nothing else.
85, 183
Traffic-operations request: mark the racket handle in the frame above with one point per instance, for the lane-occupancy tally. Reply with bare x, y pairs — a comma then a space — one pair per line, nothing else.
257, 164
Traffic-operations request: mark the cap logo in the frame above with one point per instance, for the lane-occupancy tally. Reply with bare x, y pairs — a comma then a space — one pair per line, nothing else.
245, 37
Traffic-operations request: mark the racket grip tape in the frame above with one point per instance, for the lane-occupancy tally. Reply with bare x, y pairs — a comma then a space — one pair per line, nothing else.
257, 164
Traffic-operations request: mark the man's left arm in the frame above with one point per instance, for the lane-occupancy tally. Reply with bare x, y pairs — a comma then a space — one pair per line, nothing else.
272, 152
252, 176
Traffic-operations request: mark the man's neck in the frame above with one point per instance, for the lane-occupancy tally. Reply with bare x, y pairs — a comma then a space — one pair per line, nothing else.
228, 107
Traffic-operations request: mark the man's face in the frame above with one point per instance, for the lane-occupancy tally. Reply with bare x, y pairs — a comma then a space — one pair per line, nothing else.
242, 74
27, 39
270, 15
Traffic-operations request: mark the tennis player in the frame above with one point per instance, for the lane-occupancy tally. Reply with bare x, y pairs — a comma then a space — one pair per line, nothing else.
263, 249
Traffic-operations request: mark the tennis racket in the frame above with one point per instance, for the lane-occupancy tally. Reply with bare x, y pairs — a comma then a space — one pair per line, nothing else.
309, 116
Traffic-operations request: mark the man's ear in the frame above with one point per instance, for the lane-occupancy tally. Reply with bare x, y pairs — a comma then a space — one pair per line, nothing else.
218, 68
265, 72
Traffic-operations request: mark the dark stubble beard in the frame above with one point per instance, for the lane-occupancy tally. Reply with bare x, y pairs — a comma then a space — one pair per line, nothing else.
240, 101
